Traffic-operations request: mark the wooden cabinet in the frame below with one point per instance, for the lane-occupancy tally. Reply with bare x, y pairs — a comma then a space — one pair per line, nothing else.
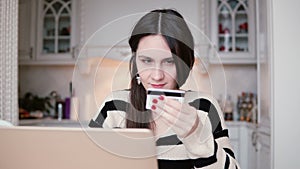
233, 31
52, 32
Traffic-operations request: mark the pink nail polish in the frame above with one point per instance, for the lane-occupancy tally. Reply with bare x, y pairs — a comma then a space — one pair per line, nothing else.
161, 98
154, 101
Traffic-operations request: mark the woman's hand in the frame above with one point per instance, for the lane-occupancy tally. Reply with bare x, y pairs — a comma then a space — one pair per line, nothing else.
181, 117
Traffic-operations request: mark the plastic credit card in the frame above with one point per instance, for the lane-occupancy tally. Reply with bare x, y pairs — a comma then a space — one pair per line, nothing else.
153, 93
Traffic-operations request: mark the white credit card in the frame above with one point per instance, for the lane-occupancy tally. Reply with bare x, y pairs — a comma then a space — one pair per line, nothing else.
153, 93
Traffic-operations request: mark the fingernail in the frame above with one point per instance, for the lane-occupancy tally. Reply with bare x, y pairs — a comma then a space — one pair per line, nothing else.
154, 101
153, 107
161, 98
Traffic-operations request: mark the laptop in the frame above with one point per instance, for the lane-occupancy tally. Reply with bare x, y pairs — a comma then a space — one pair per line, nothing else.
76, 148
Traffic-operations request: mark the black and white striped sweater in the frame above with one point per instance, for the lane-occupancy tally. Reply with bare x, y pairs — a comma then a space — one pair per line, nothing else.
207, 147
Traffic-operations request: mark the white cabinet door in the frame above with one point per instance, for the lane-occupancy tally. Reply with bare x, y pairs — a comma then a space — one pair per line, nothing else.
234, 136
251, 150
241, 134
263, 150
233, 31
26, 29
48, 32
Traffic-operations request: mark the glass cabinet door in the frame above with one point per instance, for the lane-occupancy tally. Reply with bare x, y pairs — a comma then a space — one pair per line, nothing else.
233, 25
56, 16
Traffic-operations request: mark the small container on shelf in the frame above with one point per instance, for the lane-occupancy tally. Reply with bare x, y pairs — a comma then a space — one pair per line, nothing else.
243, 28
247, 107
228, 109
64, 31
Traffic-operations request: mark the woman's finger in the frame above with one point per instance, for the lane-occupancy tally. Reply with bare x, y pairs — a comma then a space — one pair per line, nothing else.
166, 118
174, 108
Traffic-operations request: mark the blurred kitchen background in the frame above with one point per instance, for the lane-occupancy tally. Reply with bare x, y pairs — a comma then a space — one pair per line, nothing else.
64, 42
72, 53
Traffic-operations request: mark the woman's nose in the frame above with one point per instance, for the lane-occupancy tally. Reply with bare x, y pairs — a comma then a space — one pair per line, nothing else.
157, 74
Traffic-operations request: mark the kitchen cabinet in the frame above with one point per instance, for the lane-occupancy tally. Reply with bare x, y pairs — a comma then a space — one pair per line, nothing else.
263, 148
53, 32
242, 136
26, 29
233, 31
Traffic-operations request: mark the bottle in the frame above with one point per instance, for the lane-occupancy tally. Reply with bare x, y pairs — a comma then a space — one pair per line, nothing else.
228, 109
243, 110
254, 109
59, 111
60, 108
52, 102
249, 107
239, 106
226, 24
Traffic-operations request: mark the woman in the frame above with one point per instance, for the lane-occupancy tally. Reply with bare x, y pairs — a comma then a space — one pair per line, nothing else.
191, 134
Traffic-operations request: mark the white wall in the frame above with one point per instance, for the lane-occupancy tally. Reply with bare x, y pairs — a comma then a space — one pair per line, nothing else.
41, 80
286, 83
98, 13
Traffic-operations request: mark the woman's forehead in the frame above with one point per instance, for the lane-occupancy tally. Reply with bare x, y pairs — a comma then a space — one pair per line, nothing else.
154, 53
153, 42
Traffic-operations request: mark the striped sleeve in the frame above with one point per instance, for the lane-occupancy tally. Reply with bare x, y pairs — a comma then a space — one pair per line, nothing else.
209, 146
112, 111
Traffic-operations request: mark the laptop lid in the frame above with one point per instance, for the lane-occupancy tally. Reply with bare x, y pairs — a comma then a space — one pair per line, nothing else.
76, 148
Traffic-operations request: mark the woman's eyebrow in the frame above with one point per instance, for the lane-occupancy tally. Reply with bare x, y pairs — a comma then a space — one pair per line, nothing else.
169, 58
143, 56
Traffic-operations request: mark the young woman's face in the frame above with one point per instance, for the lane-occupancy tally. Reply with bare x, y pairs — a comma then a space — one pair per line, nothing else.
155, 63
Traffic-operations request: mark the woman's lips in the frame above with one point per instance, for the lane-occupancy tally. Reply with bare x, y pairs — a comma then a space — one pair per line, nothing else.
157, 85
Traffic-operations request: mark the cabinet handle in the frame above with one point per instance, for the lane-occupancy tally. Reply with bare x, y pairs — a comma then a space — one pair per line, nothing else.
31, 52
73, 52
254, 140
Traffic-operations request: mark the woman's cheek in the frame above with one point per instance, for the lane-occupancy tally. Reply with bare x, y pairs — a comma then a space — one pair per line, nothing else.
171, 71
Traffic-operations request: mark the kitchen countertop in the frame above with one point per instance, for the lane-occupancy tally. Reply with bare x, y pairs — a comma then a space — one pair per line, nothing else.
240, 123
49, 122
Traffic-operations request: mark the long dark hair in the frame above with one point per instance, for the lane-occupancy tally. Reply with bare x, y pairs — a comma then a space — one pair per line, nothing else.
172, 26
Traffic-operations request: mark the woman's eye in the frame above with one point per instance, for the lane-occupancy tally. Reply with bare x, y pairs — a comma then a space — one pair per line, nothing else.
146, 61
169, 61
